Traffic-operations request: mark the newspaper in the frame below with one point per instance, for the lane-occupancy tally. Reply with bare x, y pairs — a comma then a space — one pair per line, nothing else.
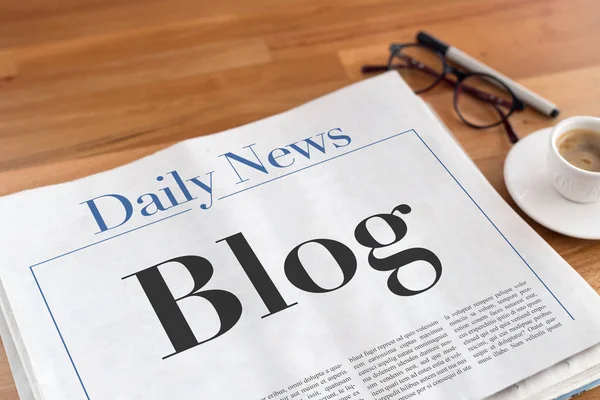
347, 249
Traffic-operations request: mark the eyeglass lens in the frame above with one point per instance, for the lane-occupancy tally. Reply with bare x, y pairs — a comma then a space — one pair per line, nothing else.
478, 102
419, 67
482, 101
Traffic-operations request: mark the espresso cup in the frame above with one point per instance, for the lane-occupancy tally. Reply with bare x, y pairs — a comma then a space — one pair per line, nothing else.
571, 182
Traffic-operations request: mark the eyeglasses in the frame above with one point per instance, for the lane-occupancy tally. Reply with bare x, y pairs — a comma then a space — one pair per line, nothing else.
480, 100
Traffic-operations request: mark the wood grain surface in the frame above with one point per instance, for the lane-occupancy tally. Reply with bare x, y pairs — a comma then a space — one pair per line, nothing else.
99, 83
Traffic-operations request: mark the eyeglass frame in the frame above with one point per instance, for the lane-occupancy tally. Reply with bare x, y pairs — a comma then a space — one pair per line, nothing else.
516, 104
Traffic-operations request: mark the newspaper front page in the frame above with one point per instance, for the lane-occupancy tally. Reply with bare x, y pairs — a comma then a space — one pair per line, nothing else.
347, 249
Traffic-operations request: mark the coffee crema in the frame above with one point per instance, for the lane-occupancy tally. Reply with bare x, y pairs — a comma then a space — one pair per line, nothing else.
581, 148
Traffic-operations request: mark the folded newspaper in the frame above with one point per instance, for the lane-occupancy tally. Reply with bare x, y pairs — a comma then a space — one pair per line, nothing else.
347, 249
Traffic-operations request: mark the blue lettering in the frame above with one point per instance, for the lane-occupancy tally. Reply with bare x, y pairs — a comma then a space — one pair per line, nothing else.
154, 200
186, 193
256, 165
98, 217
338, 137
205, 187
309, 144
273, 158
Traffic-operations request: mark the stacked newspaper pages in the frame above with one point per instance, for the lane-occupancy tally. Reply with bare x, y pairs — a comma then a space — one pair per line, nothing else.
347, 249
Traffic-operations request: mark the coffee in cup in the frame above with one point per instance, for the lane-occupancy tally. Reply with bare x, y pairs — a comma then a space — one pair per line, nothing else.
581, 148
574, 159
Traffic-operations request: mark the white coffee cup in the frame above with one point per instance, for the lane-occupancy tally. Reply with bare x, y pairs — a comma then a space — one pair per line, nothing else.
571, 182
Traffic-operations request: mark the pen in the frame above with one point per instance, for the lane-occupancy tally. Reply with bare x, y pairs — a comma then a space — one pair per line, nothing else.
466, 61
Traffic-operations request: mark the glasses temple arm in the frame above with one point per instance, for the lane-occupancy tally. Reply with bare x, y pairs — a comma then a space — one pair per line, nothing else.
479, 94
512, 136
488, 98
483, 96
366, 69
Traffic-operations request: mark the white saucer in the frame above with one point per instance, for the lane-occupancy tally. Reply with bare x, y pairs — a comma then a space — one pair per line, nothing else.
526, 177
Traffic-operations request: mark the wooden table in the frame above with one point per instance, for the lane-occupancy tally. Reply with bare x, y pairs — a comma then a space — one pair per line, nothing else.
103, 82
